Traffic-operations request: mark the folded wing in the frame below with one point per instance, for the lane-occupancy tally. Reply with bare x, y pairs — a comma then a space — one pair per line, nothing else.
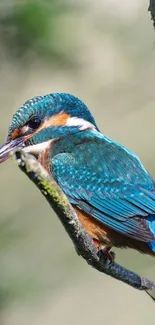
109, 183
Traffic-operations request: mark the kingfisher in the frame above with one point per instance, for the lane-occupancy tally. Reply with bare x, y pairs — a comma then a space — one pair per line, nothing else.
110, 190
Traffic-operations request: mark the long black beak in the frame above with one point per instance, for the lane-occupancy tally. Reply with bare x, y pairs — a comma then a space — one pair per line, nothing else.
9, 146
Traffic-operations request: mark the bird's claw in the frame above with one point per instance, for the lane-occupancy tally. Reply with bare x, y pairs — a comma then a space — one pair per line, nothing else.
106, 256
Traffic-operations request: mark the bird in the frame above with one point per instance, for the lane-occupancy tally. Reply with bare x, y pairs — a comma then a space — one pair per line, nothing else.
107, 185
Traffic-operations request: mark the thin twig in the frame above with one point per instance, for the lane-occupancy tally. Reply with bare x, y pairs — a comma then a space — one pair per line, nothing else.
83, 243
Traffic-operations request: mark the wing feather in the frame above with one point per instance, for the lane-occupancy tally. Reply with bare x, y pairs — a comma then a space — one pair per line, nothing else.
111, 185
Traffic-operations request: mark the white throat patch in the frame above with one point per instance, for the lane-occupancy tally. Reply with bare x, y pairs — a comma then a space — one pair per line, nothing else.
37, 148
83, 124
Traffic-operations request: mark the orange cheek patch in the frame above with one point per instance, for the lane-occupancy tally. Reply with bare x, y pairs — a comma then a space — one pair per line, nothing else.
16, 133
55, 120
19, 132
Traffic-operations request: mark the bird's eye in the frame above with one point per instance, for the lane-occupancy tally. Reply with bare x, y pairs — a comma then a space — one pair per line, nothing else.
34, 122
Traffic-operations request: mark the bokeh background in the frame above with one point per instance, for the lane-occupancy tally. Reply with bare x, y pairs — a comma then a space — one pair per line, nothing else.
104, 52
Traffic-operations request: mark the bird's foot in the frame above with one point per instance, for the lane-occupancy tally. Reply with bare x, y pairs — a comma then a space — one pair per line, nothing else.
106, 255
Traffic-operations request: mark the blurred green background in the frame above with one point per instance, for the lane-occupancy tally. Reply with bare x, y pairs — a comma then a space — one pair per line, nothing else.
104, 52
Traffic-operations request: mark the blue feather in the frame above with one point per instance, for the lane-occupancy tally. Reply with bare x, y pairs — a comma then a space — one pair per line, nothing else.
151, 223
109, 182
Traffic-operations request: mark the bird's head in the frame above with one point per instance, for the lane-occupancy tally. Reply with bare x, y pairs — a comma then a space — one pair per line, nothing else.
44, 119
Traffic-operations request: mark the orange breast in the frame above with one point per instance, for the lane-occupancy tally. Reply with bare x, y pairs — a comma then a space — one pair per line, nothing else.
109, 237
43, 158
94, 228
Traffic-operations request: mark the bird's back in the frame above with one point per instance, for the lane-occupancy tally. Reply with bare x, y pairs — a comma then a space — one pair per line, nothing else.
107, 182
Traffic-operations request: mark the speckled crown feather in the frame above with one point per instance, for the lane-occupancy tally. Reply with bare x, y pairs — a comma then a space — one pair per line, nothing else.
48, 105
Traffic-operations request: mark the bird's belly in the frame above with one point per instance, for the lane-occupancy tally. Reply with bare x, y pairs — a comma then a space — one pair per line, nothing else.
94, 228
107, 236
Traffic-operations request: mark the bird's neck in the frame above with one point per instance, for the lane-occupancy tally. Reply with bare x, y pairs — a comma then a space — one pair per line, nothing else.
69, 142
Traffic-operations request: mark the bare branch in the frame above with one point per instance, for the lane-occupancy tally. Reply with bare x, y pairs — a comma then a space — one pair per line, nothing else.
83, 243
151, 8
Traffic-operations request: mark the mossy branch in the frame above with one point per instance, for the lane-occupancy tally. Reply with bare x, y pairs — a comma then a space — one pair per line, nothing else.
83, 243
